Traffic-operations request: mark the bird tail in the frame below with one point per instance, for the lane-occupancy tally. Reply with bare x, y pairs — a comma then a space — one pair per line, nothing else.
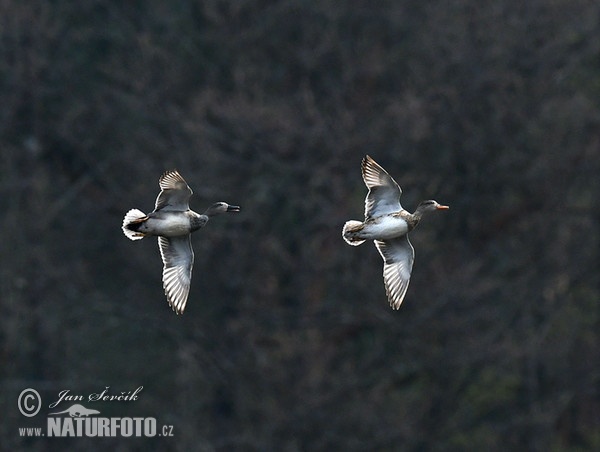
132, 221
351, 231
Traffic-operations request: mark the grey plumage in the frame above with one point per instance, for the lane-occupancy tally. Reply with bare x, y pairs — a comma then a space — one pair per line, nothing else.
173, 222
388, 224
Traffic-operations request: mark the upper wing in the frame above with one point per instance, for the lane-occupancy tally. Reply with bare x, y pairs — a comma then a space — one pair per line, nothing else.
384, 192
178, 260
398, 257
174, 194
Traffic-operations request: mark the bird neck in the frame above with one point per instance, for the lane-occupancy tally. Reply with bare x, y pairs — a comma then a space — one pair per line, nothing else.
412, 219
197, 220
417, 215
211, 212
420, 211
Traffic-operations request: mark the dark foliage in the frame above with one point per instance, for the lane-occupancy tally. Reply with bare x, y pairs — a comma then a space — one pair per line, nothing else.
288, 343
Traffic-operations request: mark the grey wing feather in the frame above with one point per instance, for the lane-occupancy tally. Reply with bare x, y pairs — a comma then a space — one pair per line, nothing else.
178, 259
384, 192
175, 192
398, 257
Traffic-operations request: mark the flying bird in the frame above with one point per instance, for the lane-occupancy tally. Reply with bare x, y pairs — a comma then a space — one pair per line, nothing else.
388, 224
173, 222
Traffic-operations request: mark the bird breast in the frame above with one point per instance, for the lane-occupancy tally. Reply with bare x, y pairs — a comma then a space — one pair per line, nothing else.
386, 227
167, 224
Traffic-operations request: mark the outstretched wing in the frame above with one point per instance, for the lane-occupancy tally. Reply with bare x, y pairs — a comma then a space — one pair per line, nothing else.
178, 259
384, 193
398, 257
174, 194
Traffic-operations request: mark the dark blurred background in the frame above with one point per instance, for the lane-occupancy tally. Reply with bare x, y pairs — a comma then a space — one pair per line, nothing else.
288, 342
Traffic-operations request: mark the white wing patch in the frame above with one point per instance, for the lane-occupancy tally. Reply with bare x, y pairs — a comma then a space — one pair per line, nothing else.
398, 257
384, 193
178, 260
174, 192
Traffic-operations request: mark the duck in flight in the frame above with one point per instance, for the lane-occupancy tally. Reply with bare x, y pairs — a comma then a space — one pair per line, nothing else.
173, 222
388, 224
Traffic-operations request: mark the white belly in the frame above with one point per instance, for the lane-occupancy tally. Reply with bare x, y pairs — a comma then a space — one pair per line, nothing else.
385, 228
176, 226
168, 226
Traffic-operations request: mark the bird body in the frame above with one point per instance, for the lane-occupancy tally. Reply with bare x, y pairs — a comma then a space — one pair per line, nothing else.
387, 223
380, 228
173, 222
170, 223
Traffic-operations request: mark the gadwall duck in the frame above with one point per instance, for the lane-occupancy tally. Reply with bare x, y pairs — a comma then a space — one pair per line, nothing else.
388, 224
173, 222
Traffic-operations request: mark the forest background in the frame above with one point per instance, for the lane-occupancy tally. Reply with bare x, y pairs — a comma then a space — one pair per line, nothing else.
288, 342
